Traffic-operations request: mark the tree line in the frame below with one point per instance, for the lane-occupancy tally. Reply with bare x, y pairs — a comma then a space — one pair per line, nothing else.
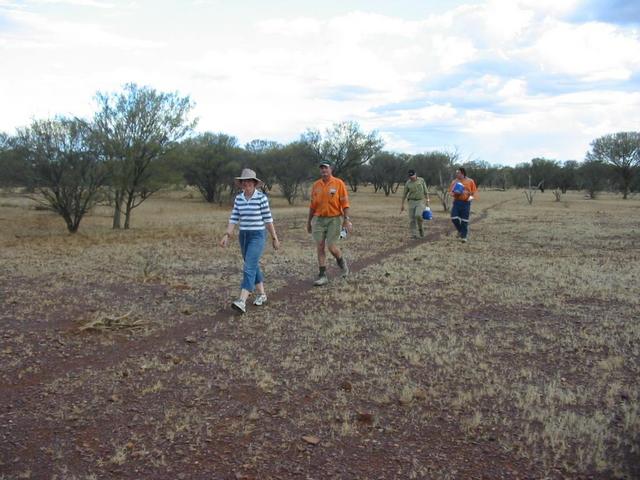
141, 140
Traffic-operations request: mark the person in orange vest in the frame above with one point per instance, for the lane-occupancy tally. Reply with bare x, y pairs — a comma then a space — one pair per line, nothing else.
329, 210
462, 189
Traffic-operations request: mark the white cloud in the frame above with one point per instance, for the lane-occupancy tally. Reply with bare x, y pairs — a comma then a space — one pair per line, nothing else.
293, 28
591, 51
513, 88
429, 114
357, 26
83, 3
34, 30
380, 53
396, 143
472, 73
548, 7
559, 127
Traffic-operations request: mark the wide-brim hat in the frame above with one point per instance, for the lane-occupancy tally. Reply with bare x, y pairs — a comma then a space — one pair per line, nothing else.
248, 174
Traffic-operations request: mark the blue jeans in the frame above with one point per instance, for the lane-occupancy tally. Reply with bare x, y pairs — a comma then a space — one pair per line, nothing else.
251, 244
460, 216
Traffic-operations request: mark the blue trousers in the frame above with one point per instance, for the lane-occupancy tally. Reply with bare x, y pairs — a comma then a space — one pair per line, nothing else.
460, 216
251, 245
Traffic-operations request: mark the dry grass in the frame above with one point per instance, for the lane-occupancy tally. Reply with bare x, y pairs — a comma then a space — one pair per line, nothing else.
105, 322
524, 341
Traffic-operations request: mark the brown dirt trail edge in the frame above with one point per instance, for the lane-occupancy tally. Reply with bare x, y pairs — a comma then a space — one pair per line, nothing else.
119, 351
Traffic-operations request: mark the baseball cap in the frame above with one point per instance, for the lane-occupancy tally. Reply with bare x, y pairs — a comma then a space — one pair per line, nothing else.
324, 164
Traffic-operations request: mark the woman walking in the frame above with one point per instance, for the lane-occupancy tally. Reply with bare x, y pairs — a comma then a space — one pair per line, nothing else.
251, 211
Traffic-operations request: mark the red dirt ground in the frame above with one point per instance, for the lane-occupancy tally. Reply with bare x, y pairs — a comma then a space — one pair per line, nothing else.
101, 376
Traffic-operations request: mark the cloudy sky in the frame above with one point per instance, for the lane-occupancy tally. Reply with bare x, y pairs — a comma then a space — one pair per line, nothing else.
502, 81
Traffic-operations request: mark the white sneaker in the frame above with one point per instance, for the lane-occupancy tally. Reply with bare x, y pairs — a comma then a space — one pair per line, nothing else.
322, 280
240, 305
261, 299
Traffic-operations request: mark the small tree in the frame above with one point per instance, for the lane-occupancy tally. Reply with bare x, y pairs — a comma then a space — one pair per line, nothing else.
294, 165
545, 173
530, 192
445, 162
635, 185
260, 157
480, 170
593, 176
442, 190
14, 170
503, 177
568, 176
212, 160
433, 165
387, 170
622, 151
345, 146
520, 174
355, 176
136, 128
63, 166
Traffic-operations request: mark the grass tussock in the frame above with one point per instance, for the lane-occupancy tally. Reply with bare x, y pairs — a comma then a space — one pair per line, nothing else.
102, 322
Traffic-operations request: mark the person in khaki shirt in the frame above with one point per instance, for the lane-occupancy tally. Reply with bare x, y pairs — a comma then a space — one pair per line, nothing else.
416, 193
329, 210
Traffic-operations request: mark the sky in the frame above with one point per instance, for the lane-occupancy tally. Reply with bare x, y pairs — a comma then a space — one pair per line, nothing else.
497, 81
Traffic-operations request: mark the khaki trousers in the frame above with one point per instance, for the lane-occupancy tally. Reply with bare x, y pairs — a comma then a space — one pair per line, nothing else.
416, 207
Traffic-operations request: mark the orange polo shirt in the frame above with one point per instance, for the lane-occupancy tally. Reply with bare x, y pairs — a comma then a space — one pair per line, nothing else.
329, 199
469, 189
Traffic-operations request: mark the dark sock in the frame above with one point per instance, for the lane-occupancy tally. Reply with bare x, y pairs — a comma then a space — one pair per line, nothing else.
323, 271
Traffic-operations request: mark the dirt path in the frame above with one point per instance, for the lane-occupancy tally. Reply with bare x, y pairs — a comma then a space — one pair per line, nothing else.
388, 390
111, 355
31, 431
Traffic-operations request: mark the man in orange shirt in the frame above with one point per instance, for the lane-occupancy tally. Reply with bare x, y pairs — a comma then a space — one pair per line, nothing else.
462, 189
330, 209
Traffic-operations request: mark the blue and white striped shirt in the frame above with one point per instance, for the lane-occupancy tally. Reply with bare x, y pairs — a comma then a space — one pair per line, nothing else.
251, 214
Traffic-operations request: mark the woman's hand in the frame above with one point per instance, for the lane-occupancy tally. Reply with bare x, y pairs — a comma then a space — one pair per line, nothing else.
225, 240
276, 243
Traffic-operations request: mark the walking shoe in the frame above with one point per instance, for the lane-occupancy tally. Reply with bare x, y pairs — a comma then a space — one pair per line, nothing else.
322, 280
261, 299
343, 266
463, 240
240, 305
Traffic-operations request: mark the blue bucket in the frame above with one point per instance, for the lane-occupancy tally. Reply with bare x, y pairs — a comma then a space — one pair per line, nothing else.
426, 214
458, 188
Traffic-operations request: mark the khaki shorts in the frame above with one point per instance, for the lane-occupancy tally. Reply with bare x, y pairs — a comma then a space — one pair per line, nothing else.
327, 229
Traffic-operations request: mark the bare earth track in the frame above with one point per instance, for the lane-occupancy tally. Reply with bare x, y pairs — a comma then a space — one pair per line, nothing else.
108, 356
307, 387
